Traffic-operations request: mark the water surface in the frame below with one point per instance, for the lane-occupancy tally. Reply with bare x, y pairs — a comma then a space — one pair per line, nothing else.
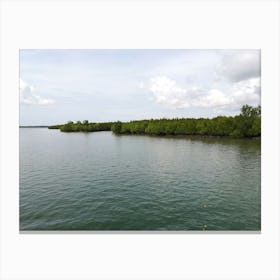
99, 181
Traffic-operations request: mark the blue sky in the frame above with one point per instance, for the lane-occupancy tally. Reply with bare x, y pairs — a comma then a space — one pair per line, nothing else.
108, 85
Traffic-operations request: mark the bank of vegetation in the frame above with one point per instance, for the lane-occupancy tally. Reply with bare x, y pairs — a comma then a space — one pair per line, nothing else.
84, 126
246, 124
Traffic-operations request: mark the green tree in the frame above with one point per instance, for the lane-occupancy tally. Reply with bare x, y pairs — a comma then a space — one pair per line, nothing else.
246, 124
116, 127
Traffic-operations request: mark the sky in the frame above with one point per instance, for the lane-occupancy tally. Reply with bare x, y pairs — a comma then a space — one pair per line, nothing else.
57, 86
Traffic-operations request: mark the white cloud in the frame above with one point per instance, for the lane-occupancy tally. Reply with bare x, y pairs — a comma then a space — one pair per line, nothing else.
247, 91
212, 99
240, 65
167, 93
28, 95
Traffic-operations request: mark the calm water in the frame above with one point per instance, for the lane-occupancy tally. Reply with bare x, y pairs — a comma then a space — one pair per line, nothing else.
99, 181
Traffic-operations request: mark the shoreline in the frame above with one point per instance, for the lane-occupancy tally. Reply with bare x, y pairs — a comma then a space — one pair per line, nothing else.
189, 136
179, 136
33, 126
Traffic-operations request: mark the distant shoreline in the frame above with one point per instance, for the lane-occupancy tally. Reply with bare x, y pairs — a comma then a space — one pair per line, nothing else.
33, 126
245, 125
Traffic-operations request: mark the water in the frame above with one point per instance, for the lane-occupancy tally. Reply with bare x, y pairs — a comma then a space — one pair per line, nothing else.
99, 181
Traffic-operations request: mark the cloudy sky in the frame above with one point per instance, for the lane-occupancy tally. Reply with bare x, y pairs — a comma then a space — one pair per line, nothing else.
108, 85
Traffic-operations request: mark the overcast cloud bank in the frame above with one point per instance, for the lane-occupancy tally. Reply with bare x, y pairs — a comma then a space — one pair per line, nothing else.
108, 85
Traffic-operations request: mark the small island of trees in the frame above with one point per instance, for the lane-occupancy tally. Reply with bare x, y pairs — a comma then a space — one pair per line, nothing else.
246, 124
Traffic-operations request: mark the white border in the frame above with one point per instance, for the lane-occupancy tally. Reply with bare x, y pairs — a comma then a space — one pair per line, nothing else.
156, 24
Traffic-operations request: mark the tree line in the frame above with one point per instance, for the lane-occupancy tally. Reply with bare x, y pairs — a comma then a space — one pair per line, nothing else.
246, 124
84, 126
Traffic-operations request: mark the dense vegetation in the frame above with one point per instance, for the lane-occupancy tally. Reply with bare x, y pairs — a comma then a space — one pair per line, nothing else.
246, 124
84, 126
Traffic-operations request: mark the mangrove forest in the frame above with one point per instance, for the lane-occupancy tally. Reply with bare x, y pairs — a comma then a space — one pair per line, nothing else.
246, 124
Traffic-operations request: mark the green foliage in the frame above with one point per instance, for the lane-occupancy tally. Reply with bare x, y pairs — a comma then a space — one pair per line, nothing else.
85, 127
54, 126
116, 127
250, 112
247, 124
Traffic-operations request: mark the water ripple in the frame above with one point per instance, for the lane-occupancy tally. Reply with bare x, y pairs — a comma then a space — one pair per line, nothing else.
99, 181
